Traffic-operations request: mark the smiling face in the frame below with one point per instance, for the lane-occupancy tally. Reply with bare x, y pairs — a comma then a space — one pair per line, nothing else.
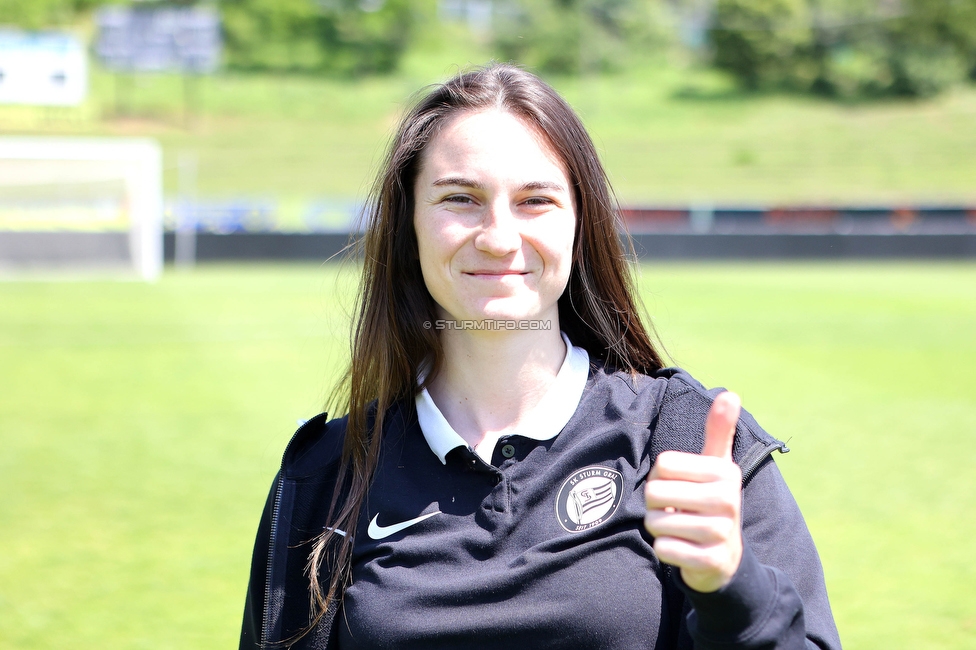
494, 219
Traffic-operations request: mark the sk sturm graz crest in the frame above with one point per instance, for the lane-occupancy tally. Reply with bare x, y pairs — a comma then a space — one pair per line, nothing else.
588, 498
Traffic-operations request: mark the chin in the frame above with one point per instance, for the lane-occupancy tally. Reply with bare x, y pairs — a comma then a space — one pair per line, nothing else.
513, 313
501, 308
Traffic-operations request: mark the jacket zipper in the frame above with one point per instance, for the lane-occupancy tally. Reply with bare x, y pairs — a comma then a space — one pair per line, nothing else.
754, 461
265, 632
273, 538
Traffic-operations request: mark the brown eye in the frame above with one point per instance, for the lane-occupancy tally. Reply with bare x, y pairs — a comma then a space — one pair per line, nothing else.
538, 202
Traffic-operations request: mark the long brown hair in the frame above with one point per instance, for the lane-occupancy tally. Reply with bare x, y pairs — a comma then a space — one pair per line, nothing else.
390, 344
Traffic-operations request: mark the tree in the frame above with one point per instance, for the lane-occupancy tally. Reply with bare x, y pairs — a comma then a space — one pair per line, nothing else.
42, 14
846, 47
573, 36
338, 36
763, 42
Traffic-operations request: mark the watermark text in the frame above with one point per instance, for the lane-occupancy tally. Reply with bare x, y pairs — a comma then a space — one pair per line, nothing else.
489, 324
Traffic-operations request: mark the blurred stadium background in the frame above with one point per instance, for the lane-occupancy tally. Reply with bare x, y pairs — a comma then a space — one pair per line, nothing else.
798, 174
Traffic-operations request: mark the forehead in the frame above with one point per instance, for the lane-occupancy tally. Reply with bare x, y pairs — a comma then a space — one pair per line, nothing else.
494, 139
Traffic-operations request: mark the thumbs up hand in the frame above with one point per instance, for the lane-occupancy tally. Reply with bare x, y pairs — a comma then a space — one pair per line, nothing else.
694, 504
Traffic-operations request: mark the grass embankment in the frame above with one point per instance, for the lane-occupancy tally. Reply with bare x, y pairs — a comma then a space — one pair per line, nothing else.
141, 424
668, 136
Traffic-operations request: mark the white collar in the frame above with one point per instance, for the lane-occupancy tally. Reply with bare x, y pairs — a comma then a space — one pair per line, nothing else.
545, 421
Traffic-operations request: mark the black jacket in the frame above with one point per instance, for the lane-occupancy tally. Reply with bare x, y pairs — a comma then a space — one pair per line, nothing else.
777, 599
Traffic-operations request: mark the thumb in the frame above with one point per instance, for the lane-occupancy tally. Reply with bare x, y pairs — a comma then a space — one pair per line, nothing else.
720, 425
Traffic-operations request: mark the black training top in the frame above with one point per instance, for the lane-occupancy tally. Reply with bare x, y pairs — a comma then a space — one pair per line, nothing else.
542, 547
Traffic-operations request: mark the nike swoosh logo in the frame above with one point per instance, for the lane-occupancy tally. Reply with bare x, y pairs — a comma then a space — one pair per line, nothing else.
376, 531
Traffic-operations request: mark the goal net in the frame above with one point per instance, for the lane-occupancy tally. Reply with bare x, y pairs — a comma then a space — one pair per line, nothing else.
81, 203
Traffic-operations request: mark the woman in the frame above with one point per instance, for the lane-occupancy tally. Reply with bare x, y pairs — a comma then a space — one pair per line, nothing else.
499, 480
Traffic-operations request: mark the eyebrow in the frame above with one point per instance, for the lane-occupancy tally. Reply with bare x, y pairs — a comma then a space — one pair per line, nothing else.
460, 181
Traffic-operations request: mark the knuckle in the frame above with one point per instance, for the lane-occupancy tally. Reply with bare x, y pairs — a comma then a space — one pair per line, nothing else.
712, 530
723, 529
724, 500
716, 503
664, 463
666, 549
727, 505
651, 491
711, 564
667, 456
657, 492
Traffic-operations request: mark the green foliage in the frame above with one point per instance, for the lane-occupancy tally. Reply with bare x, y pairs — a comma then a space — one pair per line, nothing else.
343, 37
41, 14
846, 48
573, 36
762, 41
933, 44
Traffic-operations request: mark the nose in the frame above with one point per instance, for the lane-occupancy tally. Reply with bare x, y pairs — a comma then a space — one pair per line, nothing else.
500, 233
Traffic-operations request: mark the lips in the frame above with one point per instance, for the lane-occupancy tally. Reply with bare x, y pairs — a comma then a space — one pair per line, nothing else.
494, 274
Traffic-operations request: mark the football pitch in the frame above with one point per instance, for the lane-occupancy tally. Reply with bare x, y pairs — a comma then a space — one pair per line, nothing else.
141, 425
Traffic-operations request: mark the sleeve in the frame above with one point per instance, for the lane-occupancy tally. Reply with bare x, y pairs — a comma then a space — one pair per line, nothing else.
777, 598
254, 600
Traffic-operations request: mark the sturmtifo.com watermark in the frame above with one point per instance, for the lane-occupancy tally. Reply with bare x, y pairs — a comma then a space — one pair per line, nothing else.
488, 324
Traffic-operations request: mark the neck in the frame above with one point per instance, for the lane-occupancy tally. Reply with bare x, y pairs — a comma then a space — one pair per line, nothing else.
490, 381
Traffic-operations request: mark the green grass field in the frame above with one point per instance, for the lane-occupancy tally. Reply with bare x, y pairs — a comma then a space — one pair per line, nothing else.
141, 424
668, 136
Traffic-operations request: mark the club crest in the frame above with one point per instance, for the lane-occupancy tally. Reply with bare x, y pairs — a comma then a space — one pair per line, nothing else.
588, 497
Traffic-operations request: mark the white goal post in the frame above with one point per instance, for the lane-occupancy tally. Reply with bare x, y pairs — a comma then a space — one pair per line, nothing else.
70, 203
